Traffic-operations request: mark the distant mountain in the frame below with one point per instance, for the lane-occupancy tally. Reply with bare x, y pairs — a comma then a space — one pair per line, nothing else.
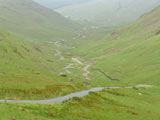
30, 20
54, 4
109, 13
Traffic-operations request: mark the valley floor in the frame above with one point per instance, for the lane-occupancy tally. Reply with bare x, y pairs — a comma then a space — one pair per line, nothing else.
127, 56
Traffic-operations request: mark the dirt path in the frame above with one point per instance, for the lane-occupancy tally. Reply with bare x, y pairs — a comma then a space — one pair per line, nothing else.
77, 60
68, 97
86, 74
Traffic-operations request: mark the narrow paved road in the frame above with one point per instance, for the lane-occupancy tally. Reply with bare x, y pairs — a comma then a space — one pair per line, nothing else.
67, 97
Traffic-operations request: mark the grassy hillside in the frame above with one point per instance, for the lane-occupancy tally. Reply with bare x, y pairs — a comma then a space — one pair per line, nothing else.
130, 104
31, 59
31, 71
33, 21
109, 13
130, 53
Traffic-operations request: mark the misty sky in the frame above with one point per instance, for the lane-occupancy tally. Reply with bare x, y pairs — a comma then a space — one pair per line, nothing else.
59, 3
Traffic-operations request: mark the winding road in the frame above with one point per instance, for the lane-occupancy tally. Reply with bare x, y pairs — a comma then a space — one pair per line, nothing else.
70, 96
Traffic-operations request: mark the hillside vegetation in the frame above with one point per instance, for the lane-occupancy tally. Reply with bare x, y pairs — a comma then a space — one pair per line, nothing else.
30, 71
32, 21
130, 104
31, 60
42, 56
130, 53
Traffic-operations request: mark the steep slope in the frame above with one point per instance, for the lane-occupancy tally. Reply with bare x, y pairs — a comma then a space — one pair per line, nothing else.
32, 59
109, 13
130, 53
26, 66
33, 21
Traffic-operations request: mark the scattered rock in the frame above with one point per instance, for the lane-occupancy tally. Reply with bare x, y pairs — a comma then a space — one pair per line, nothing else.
71, 80
140, 94
50, 60
12, 118
37, 49
3, 73
85, 83
62, 74
37, 73
157, 33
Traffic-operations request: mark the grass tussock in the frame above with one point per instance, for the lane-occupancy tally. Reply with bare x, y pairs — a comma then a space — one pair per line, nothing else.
99, 105
47, 92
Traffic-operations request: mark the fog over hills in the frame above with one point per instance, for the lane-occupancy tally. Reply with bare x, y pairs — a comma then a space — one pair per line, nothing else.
54, 4
109, 12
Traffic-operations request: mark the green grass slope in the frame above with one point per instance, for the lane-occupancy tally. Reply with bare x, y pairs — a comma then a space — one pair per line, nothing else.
33, 21
122, 104
30, 67
109, 13
31, 71
130, 53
